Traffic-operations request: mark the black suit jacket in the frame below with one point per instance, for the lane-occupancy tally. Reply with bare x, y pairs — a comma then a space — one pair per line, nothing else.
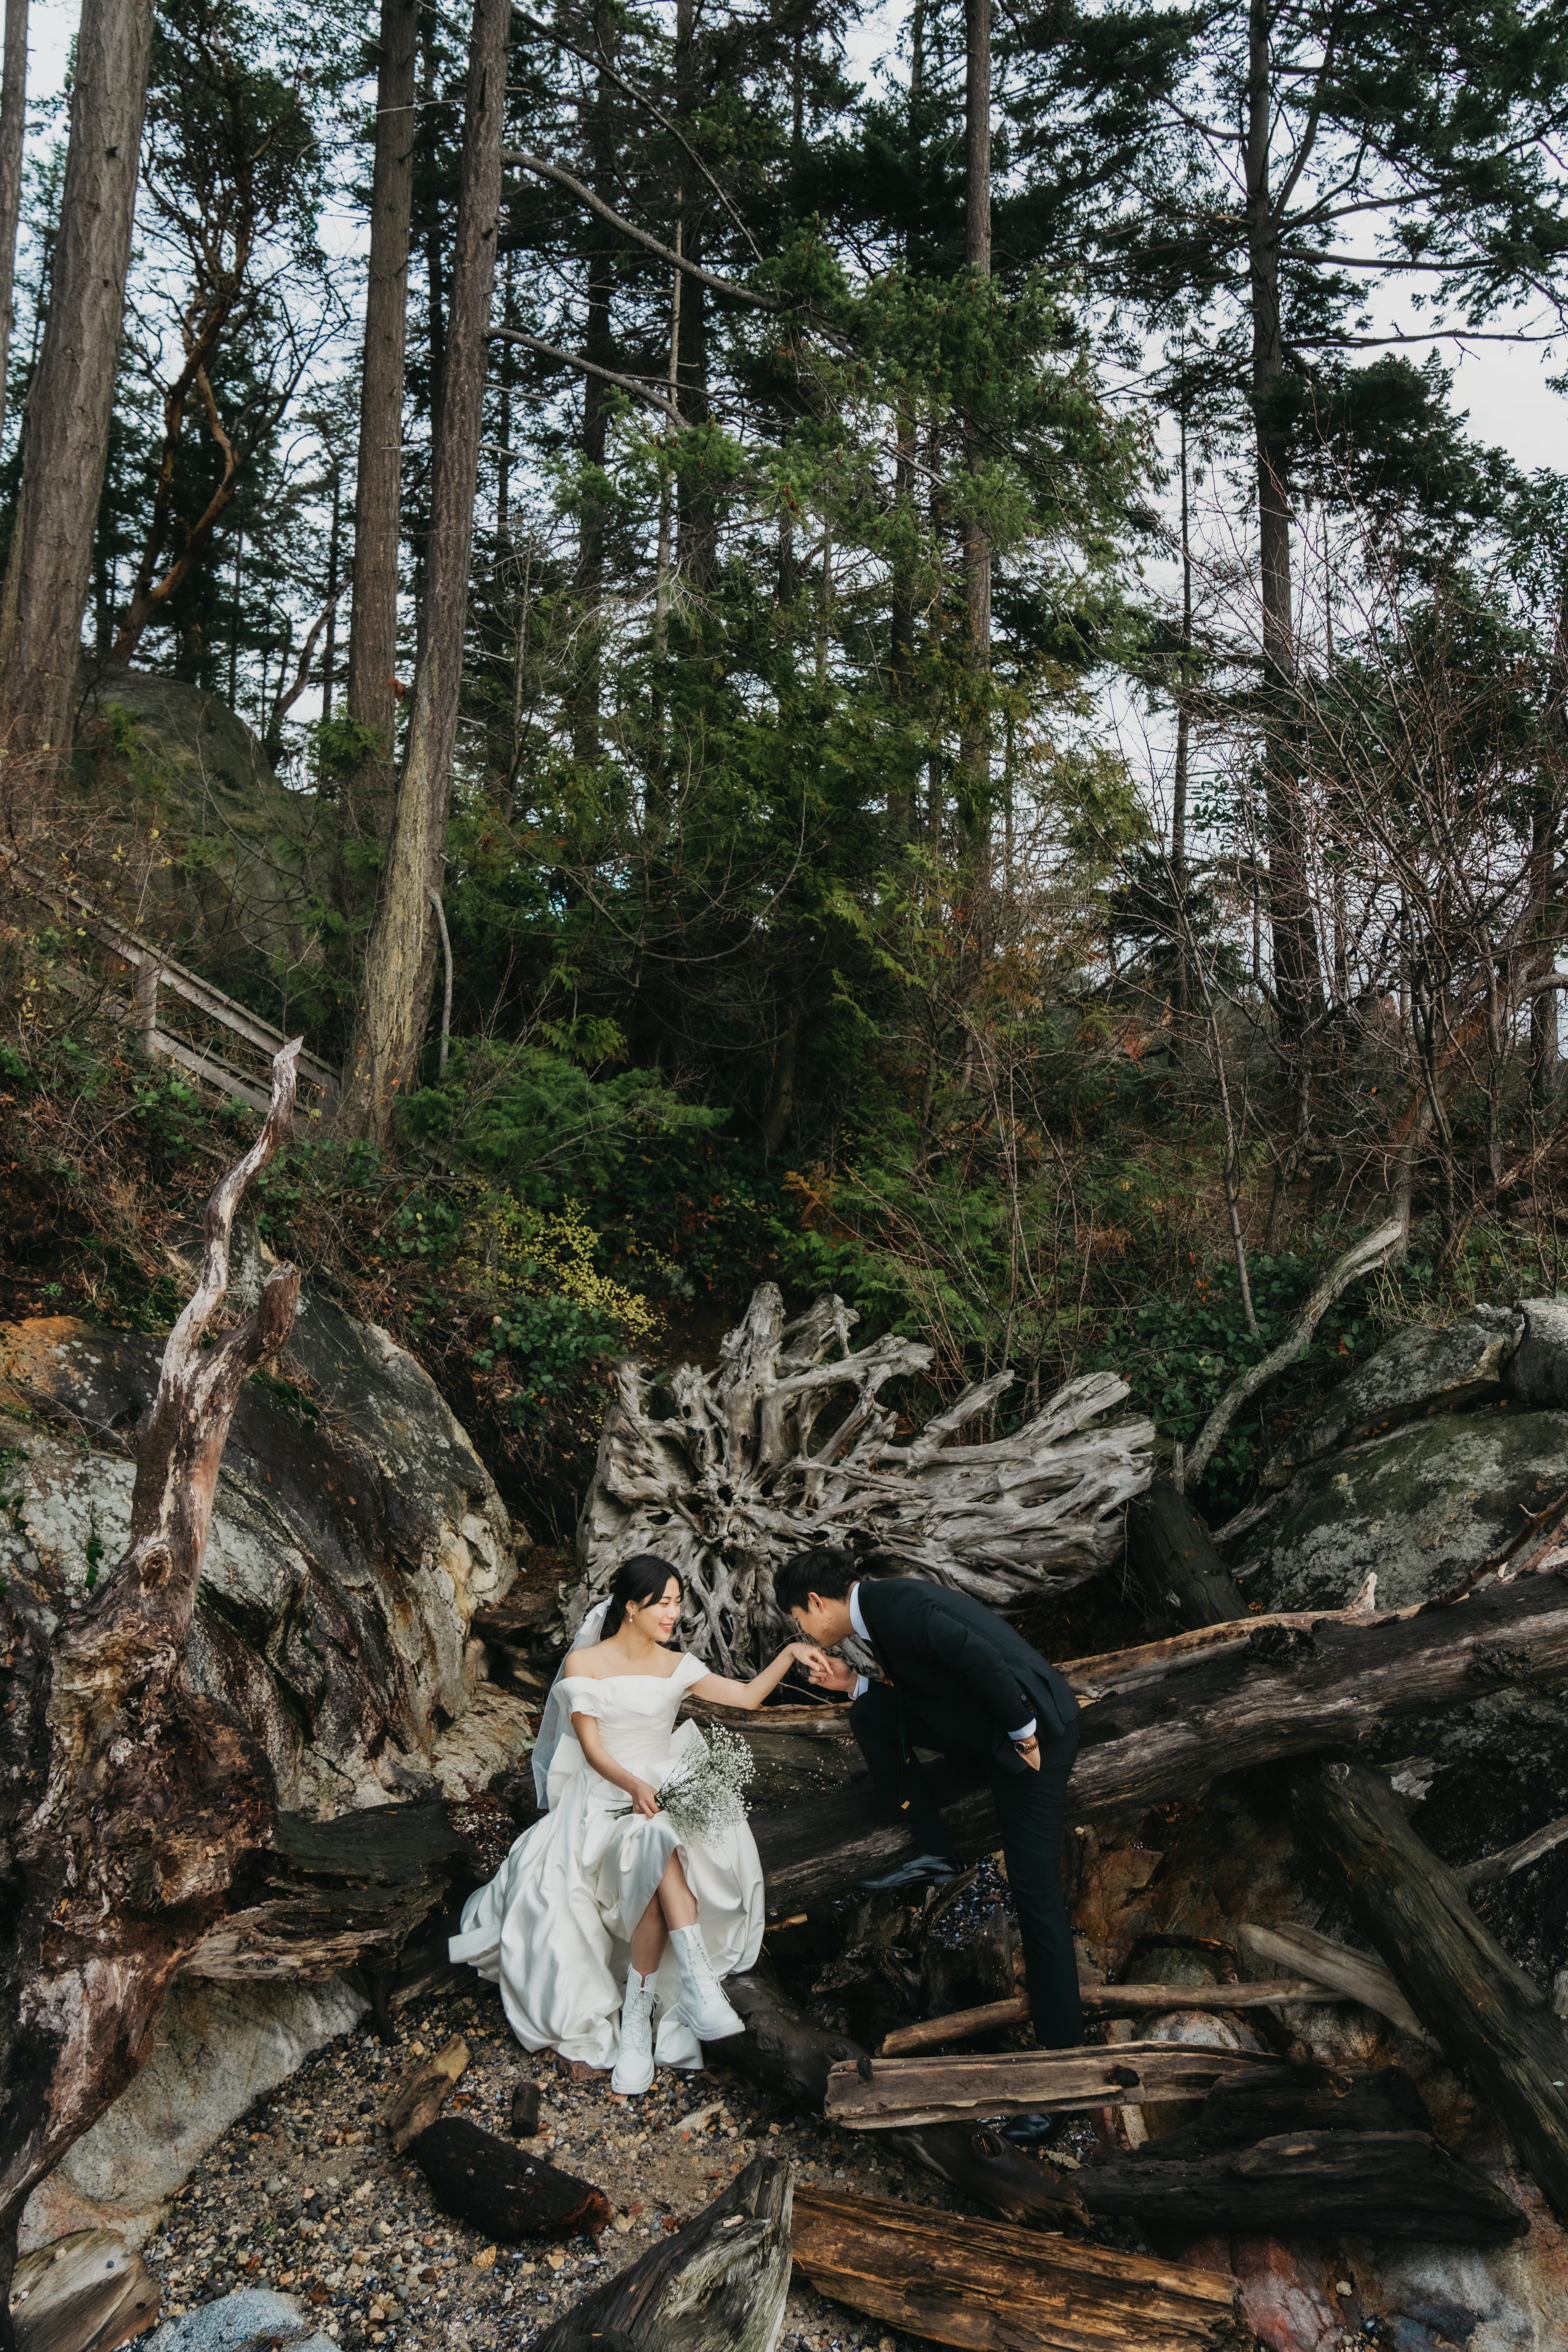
961, 1668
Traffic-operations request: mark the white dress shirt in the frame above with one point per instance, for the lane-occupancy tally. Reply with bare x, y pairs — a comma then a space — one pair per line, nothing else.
863, 1682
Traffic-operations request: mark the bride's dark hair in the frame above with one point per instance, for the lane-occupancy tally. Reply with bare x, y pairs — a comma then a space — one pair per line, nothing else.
638, 1581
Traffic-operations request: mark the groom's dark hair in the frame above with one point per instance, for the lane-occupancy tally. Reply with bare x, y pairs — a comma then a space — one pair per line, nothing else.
825, 1570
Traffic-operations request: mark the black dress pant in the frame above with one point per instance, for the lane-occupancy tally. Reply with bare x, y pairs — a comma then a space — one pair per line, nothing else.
1028, 1805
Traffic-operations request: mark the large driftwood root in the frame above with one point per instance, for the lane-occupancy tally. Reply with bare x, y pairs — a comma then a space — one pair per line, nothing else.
787, 1444
132, 1799
501, 2190
718, 2285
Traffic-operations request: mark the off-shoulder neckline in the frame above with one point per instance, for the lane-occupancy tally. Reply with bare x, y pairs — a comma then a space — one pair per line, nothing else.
629, 1675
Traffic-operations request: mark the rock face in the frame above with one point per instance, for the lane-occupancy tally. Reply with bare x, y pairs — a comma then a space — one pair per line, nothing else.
217, 2049
355, 1534
1420, 1371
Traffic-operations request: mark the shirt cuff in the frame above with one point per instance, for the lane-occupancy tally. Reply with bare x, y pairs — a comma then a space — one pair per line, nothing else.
862, 1684
1026, 1733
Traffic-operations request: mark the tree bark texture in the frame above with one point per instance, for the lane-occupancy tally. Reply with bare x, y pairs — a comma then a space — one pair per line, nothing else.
390, 1023
901, 2094
718, 2285
1184, 1580
13, 132
1494, 2023
366, 798
1267, 1692
735, 1478
130, 1799
66, 424
975, 746
953, 2280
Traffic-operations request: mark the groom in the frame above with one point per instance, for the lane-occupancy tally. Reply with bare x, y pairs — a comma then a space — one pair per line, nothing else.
956, 1679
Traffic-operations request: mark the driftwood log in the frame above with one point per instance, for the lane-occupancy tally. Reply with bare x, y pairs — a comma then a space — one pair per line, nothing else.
502, 2192
1235, 1701
87, 2293
1320, 2151
718, 2285
896, 2094
1493, 2023
981, 2284
790, 1443
127, 1799
420, 2092
1101, 2001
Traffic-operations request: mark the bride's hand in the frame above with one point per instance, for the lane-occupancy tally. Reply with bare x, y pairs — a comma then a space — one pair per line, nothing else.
645, 1800
827, 1673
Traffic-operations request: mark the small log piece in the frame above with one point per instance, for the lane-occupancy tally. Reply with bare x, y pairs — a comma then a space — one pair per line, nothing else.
420, 2092
1099, 2000
1274, 1692
980, 2164
718, 2285
525, 2111
1353, 1976
1183, 1581
896, 2094
993, 2289
496, 2188
1491, 2020
86, 2293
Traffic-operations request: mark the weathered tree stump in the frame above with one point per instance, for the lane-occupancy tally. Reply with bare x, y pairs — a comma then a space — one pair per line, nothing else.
718, 2285
787, 1445
127, 1799
499, 2190
1493, 2023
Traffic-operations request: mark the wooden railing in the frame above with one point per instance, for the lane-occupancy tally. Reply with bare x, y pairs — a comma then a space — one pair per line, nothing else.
151, 971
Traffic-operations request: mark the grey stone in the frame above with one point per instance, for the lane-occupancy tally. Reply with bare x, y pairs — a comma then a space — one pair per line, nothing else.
1420, 1507
1420, 1371
249, 2321
217, 2049
1536, 1372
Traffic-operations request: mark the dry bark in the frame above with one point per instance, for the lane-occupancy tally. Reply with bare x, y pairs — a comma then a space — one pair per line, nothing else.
980, 2283
130, 1799
421, 2092
1493, 2023
900, 2094
1274, 1691
13, 132
718, 2285
390, 1020
501, 2191
65, 426
87, 2293
365, 797
736, 1479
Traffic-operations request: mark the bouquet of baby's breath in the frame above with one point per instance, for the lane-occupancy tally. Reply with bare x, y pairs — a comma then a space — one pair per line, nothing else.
707, 1793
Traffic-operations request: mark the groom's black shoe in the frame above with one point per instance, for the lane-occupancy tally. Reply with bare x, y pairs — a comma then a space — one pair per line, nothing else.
923, 1867
1028, 2131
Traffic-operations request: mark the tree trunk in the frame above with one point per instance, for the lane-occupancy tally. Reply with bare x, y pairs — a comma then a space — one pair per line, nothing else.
598, 347
13, 132
366, 798
1183, 1578
974, 743
696, 515
384, 1054
66, 425
1493, 2023
132, 1798
1297, 982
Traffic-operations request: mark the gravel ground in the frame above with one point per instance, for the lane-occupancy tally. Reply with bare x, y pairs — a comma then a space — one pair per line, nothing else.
305, 2195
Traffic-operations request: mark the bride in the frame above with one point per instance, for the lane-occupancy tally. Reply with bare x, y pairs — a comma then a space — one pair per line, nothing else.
600, 1891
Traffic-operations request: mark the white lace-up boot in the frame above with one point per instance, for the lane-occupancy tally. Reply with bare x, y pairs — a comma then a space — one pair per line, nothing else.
702, 2001
634, 2060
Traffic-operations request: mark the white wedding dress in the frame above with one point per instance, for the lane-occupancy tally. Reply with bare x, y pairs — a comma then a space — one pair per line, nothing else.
554, 1926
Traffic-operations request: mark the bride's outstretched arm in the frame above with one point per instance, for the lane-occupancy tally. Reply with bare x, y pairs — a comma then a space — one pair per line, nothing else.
719, 1690
591, 1739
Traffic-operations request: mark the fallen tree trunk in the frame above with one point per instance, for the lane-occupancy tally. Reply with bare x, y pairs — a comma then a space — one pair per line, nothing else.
1492, 2022
127, 1799
1274, 1692
977, 2284
898, 2093
718, 2285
